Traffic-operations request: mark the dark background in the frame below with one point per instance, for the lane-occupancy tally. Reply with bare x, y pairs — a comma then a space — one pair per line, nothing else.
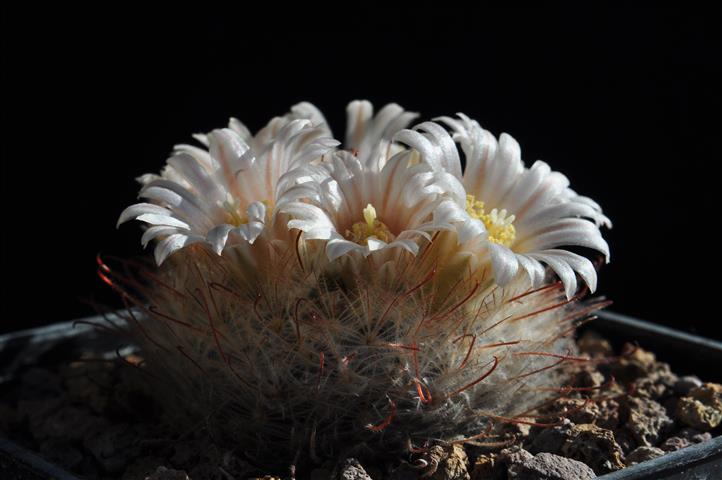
626, 102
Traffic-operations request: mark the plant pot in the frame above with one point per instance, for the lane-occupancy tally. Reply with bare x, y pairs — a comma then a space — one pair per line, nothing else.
687, 354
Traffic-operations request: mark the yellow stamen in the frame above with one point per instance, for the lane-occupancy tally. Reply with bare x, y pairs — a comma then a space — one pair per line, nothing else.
498, 224
370, 216
371, 227
237, 216
234, 215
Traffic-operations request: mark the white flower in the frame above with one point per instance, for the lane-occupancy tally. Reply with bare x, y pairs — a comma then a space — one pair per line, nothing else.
375, 195
363, 208
231, 190
517, 216
369, 137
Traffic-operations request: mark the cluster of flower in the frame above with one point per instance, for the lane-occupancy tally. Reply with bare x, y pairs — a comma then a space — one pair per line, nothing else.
397, 286
373, 195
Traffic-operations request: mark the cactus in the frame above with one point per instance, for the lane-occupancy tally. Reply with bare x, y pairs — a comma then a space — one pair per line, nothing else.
310, 299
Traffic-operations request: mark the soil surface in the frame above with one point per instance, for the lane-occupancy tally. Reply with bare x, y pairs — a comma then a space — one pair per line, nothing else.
620, 408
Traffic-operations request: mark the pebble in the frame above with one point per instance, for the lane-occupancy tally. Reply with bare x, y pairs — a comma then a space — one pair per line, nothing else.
514, 455
577, 410
550, 439
594, 345
684, 438
684, 384
658, 385
608, 414
352, 470
587, 378
672, 444
447, 463
516, 430
639, 363
488, 467
625, 440
647, 420
594, 446
702, 408
642, 454
548, 466
455, 465
694, 436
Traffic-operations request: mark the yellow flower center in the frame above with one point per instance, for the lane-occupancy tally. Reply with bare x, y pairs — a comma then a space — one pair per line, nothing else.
498, 224
234, 215
371, 227
237, 216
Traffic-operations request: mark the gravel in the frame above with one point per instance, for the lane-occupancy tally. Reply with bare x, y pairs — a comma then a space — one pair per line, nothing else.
91, 419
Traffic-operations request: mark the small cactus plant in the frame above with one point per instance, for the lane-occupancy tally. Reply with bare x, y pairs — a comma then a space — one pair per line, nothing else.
308, 297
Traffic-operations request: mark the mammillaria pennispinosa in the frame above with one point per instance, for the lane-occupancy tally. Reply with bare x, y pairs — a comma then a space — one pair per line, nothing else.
410, 285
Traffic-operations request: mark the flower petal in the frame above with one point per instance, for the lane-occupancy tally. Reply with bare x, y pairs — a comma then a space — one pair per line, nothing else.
232, 154
555, 212
579, 264
450, 160
533, 268
172, 243
358, 115
536, 188
308, 111
166, 220
134, 211
218, 236
471, 230
428, 151
374, 244
309, 219
407, 244
256, 211
504, 263
242, 131
202, 157
250, 231
197, 177
565, 232
479, 147
338, 247
201, 138
371, 138
562, 268
184, 204
599, 218
156, 231
504, 171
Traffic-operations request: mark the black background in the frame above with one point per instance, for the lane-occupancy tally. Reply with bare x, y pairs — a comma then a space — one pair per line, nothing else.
625, 102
